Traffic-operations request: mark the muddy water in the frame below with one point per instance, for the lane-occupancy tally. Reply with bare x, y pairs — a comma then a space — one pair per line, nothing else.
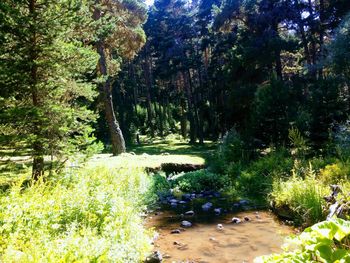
204, 242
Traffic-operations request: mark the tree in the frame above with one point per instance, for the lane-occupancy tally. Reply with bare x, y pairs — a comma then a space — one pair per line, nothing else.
44, 69
118, 35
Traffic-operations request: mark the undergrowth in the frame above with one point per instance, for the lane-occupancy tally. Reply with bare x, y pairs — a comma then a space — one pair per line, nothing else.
92, 215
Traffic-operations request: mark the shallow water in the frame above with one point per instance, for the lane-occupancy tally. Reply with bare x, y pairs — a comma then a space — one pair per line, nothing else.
203, 242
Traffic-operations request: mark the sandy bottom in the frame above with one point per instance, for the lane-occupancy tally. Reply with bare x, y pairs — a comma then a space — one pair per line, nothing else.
203, 242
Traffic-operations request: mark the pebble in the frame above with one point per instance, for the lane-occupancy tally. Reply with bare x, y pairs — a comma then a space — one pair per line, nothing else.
207, 206
217, 211
186, 223
189, 213
175, 231
219, 227
246, 218
236, 220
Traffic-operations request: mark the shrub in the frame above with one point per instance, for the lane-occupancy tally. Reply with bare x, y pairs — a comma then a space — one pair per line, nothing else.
92, 215
232, 149
327, 241
335, 173
256, 180
303, 197
197, 181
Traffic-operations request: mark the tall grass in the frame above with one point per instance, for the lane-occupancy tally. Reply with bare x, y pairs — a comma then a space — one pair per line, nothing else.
304, 197
92, 215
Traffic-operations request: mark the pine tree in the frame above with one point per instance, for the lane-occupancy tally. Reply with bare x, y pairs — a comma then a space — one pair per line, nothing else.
44, 70
118, 35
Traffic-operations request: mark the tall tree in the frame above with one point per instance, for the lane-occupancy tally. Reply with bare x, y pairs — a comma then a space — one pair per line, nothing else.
43, 77
118, 35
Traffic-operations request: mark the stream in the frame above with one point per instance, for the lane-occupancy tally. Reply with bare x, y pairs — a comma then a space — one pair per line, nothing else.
212, 236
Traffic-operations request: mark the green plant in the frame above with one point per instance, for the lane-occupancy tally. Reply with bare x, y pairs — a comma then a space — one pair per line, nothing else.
298, 142
334, 173
302, 197
257, 178
199, 181
91, 215
328, 241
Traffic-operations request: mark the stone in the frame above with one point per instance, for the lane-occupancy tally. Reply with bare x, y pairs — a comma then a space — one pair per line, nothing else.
212, 239
155, 257
246, 218
166, 256
182, 202
173, 205
236, 220
217, 211
177, 243
186, 223
189, 213
219, 227
173, 201
207, 206
175, 231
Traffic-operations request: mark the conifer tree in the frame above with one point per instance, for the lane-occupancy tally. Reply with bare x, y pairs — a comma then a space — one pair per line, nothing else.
44, 69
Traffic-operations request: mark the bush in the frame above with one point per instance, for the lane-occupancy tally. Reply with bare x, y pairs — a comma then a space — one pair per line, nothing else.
231, 150
201, 180
303, 198
89, 216
334, 173
327, 241
256, 180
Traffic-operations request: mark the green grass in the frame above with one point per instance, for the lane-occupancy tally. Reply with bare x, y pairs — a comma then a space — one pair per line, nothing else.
304, 197
174, 147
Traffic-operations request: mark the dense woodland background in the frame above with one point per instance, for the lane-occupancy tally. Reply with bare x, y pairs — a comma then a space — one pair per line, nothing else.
195, 68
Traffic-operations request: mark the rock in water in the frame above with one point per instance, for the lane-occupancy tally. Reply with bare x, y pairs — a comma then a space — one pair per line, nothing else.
219, 227
217, 211
156, 257
246, 218
189, 213
236, 220
207, 206
186, 223
175, 231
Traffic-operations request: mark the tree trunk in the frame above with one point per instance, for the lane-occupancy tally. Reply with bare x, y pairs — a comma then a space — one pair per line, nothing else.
191, 118
117, 139
183, 121
149, 80
37, 146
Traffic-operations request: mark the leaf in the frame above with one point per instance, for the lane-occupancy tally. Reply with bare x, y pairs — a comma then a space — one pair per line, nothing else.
326, 229
343, 228
325, 252
339, 254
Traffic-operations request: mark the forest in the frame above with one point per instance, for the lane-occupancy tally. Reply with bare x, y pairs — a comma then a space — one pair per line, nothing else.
175, 131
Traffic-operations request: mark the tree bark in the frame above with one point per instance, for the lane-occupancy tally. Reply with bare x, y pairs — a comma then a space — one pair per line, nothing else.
37, 146
117, 139
191, 117
148, 74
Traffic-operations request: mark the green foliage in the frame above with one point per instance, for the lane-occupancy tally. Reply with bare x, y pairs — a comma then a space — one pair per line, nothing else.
231, 151
44, 78
272, 111
302, 197
90, 215
198, 181
327, 241
257, 178
335, 173
298, 142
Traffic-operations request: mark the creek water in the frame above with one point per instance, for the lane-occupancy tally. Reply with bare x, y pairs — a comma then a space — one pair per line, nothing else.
205, 241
